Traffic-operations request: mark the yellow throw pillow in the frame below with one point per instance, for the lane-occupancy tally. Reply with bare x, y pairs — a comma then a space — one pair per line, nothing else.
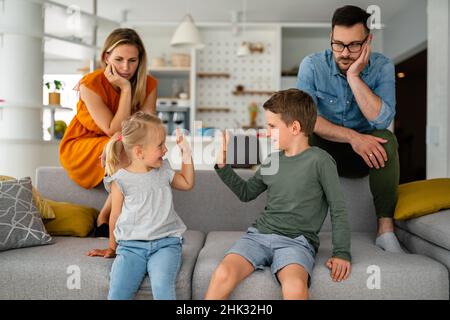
6, 178
419, 198
41, 203
71, 219
43, 206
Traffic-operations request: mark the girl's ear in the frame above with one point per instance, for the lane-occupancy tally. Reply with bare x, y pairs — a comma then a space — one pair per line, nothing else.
138, 152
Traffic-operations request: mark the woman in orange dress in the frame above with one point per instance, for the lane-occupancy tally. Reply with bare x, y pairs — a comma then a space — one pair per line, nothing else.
107, 97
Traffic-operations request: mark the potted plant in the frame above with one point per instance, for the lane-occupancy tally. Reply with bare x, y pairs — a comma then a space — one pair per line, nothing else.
54, 97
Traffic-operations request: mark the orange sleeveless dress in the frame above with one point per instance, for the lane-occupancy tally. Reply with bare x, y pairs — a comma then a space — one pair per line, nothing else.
83, 141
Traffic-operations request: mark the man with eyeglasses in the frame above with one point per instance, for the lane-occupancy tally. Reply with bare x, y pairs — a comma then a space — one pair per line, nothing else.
354, 90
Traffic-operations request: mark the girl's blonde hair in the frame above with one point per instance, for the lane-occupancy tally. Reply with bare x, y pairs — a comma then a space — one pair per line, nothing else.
139, 80
136, 130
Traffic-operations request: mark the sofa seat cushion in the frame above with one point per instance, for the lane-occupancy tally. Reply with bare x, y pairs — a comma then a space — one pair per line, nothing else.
46, 272
434, 228
402, 276
420, 246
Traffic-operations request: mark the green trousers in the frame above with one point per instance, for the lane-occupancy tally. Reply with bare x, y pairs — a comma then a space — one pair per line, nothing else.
383, 181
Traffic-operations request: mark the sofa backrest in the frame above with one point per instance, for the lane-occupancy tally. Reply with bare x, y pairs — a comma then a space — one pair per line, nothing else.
53, 183
210, 206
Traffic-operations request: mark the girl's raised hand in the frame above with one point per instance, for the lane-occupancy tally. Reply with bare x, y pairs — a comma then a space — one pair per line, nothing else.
222, 154
182, 143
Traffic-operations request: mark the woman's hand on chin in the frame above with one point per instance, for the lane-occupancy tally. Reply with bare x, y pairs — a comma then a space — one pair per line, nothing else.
115, 79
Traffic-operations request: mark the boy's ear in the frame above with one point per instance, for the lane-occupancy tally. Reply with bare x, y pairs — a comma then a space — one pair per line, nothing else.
296, 127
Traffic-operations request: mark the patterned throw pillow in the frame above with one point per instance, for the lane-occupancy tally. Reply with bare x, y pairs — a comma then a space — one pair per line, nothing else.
41, 203
20, 222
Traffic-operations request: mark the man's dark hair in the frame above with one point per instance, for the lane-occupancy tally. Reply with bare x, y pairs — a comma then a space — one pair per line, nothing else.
294, 105
348, 16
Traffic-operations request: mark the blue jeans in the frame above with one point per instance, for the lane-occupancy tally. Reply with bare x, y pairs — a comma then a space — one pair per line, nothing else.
161, 258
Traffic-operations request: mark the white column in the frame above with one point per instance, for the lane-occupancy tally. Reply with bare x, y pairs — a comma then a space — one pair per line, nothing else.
21, 65
21, 76
438, 114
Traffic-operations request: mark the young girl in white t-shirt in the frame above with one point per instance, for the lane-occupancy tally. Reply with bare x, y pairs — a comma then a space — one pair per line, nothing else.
145, 231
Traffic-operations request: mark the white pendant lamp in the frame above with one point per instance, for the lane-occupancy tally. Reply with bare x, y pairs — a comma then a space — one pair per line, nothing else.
244, 48
186, 35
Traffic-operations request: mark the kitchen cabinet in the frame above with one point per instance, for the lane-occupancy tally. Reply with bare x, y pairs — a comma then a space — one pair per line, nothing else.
174, 104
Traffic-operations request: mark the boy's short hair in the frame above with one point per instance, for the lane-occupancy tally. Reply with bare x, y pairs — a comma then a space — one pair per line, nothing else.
294, 105
348, 16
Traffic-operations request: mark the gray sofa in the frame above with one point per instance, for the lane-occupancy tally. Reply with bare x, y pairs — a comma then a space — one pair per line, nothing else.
428, 235
215, 219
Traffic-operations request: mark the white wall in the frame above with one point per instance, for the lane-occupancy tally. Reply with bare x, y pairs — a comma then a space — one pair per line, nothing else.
59, 66
24, 157
299, 43
406, 33
438, 111
157, 42
257, 71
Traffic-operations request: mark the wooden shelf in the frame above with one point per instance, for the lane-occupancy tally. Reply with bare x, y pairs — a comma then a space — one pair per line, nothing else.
289, 73
74, 41
171, 109
213, 109
252, 127
49, 4
57, 107
240, 93
59, 38
213, 75
170, 70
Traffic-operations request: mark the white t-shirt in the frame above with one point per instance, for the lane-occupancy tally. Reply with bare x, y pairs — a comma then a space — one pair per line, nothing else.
147, 211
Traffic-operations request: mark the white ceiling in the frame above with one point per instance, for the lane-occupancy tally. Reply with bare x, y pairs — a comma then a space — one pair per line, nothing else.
220, 10
203, 11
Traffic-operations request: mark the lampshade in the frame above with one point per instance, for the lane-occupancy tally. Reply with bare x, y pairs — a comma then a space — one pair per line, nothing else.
186, 35
243, 50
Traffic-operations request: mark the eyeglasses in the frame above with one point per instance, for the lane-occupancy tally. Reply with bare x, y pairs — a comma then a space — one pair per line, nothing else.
353, 47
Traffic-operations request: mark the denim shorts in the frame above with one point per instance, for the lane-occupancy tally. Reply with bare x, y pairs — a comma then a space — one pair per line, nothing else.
274, 250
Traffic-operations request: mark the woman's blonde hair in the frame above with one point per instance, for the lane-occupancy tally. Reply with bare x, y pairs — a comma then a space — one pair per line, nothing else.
135, 131
139, 80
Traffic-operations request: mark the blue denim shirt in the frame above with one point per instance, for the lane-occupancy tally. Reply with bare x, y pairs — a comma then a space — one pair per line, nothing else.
320, 77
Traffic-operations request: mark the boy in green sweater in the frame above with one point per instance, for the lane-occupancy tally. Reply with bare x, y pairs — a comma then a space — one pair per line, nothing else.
299, 194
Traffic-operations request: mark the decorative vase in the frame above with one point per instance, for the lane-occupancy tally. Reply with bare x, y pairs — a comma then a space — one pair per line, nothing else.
253, 110
54, 98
